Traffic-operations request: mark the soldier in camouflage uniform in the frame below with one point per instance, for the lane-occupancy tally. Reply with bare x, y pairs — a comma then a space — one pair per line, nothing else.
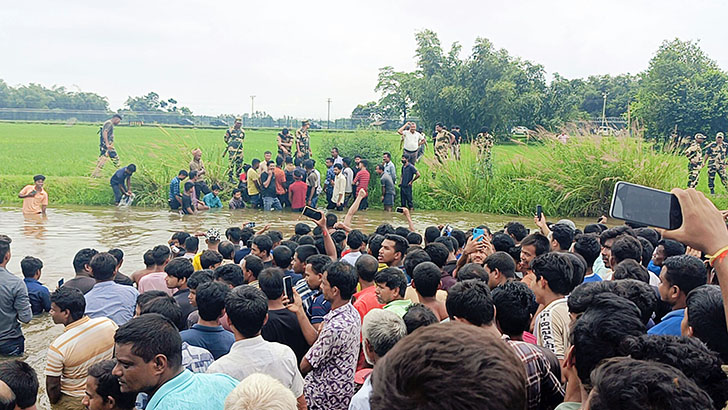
234, 139
715, 154
443, 141
695, 158
303, 142
484, 143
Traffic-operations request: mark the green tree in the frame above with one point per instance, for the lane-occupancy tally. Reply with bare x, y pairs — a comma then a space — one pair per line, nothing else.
395, 87
682, 87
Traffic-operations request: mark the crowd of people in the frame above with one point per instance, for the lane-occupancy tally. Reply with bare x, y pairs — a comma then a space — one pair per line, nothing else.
557, 317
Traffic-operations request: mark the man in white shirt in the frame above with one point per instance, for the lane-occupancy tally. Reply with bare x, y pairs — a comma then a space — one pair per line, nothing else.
411, 140
389, 167
247, 310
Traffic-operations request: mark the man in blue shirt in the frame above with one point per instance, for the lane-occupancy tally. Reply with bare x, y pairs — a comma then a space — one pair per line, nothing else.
148, 351
207, 332
40, 297
14, 305
107, 298
680, 274
175, 196
121, 182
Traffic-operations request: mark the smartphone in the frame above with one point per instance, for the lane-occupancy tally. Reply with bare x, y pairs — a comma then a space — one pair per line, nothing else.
477, 232
312, 213
288, 287
249, 225
400, 209
648, 206
539, 211
60, 283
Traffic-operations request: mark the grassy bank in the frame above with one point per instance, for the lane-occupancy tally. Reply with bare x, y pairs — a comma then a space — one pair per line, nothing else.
574, 179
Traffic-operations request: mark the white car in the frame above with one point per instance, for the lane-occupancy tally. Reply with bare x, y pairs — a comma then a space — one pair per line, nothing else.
520, 130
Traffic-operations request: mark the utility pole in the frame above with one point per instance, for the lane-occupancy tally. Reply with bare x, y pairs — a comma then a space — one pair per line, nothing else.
328, 114
252, 105
604, 109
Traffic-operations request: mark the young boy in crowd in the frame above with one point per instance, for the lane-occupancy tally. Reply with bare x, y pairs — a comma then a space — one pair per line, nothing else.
211, 199
40, 297
187, 206
236, 202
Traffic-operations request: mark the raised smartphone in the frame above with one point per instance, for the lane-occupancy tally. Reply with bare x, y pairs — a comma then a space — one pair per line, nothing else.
312, 213
539, 211
648, 206
479, 233
288, 287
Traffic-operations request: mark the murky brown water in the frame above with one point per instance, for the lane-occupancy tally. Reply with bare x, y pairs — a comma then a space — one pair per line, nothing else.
56, 238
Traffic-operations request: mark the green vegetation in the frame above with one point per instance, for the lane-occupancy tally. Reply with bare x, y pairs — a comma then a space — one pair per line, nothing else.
574, 179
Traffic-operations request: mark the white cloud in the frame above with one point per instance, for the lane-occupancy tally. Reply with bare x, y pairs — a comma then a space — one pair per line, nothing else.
293, 55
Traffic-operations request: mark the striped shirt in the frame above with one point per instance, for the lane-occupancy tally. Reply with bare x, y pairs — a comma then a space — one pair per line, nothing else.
83, 343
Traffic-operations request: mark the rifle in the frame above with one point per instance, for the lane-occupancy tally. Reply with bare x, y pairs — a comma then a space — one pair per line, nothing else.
226, 151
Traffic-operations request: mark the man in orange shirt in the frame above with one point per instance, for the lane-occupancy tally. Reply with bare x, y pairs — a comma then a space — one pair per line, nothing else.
366, 298
35, 198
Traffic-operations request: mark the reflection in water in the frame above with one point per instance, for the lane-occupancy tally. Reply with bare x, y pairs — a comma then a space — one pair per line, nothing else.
56, 238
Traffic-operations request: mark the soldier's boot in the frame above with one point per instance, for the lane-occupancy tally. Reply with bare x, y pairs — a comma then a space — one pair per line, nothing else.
712, 191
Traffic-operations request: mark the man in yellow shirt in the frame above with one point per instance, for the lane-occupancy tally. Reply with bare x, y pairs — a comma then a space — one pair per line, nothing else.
253, 179
35, 198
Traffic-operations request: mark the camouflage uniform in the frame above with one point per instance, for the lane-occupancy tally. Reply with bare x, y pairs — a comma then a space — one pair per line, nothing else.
234, 140
442, 145
716, 163
285, 139
484, 143
695, 156
303, 144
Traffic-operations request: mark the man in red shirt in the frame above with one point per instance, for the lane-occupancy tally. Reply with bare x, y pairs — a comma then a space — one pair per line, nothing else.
297, 192
361, 180
366, 299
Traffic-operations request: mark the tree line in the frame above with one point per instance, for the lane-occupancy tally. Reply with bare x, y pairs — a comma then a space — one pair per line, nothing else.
681, 88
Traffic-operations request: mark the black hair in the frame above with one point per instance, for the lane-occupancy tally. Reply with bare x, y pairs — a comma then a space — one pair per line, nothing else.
501, 261
230, 274
148, 296
513, 302
417, 316
164, 339
540, 243
426, 279
563, 234
279, 161
5, 242
237, 191
517, 230
275, 236
578, 268
227, 250
648, 233
166, 306
199, 277
598, 333
107, 385
246, 308
688, 355
148, 259
366, 267
210, 258
393, 278
445, 240
556, 269
631, 269
103, 266
270, 282
384, 229
255, 162
188, 185
211, 300
82, 258
414, 238
180, 268
415, 257
282, 256
192, 244
473, 271
71, 299
685, 271
302, 229
502, 242
254, 264
375, 244
118, 254
672, 248
587, 245
471, 300
626, 247
30, 266
438, 253
647, 251
318, 263
628, 384
431, 233
116, 116
338, 237
193, 175
245, 235
22, 380
356, 239
308, 164
304, 251
339, 166
706, 315
161, 253
342, 276
593, 229
639, 293
131, 168
183, 172
263, 242
459, 236
612, 233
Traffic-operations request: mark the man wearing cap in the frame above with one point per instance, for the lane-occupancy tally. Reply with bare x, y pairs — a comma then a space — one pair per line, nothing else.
106, 145
715, 154
443, 140
234, 139
695, 158
303, 143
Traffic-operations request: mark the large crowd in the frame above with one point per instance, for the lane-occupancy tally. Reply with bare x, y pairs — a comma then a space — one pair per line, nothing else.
557, 317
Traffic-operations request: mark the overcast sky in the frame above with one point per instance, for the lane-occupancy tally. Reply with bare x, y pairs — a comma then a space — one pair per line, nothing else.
293, 55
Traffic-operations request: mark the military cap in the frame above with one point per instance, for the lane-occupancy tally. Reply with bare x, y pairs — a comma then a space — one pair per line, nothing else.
719, 135
305, 122
699, 136
238, 119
